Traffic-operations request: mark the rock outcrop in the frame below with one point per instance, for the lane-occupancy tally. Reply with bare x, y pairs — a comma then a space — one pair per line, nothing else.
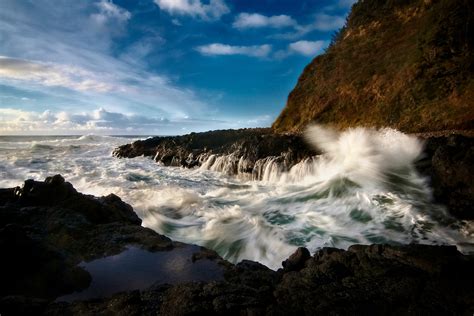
449, 165
47, 229
246, 151
401, 64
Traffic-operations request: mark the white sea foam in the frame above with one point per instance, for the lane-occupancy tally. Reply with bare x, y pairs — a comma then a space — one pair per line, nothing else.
364, 189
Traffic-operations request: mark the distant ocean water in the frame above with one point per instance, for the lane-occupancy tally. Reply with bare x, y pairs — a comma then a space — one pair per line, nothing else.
363, 190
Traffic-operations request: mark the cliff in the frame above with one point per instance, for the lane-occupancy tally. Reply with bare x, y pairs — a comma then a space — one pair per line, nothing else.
405, 64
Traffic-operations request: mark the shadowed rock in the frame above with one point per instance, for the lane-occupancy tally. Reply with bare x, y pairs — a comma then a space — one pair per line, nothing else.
47, 229
449, 165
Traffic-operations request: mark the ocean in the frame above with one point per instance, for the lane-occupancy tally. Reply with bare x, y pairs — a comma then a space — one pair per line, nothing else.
363, 190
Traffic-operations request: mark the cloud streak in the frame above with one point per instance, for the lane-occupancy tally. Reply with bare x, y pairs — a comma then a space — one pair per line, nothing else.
65, 62
218, 49
50, 74
255, 20
308, 48
102, 121
195, 8
322, 22
110, 11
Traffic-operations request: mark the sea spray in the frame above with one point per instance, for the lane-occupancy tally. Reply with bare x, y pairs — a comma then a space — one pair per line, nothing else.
364, 189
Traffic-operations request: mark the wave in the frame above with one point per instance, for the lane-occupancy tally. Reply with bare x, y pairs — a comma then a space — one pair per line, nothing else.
41, 147
92, 138
365, 156
362, 189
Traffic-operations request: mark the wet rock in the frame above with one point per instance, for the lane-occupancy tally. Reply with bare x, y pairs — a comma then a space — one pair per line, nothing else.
55, 180
449, 165
244, 148
54, 191
47, 228
35, 269
377, 279
297, 260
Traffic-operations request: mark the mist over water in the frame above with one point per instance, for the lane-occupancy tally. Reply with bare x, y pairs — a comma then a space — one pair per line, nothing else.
364, 189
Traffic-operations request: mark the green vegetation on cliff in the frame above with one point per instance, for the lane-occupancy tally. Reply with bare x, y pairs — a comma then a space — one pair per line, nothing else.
406, 64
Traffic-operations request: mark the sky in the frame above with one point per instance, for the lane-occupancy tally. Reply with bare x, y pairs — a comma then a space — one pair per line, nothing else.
155, 67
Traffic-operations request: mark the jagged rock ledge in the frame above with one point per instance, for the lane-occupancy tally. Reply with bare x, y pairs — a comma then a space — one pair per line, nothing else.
51, 236
247, 152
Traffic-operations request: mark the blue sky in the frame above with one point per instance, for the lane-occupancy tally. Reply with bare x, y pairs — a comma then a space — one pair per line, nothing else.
155, 66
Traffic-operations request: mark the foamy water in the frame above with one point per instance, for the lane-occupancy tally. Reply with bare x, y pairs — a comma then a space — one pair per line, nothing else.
363, 190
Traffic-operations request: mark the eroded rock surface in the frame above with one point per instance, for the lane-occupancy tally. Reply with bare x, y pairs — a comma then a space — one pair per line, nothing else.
244, 151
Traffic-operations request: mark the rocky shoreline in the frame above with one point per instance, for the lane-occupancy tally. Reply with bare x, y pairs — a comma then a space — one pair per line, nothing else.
52, 234
244, 151
447, 162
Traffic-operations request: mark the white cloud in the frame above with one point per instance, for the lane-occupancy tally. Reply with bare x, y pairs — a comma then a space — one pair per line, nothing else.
108, 10
142, 48
71, 62
325, 22
102, 121
223, 49
176, 22
111, 19
13, 120
322, 22
195, 8
307, 48
255, 20
50, 74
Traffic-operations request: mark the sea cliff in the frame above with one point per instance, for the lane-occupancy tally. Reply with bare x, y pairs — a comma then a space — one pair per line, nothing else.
401, 64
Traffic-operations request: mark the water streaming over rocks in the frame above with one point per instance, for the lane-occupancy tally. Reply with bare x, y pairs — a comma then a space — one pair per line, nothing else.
364, 189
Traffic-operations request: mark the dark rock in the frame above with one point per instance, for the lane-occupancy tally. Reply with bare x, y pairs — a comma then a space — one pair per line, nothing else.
33, 268
194, 149
54, 191
21, 305
55, 180
378, 279
297, 260
449, 164
47, 228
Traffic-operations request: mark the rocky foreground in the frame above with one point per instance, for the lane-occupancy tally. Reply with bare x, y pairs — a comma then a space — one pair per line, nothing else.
52, 237
447, 163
